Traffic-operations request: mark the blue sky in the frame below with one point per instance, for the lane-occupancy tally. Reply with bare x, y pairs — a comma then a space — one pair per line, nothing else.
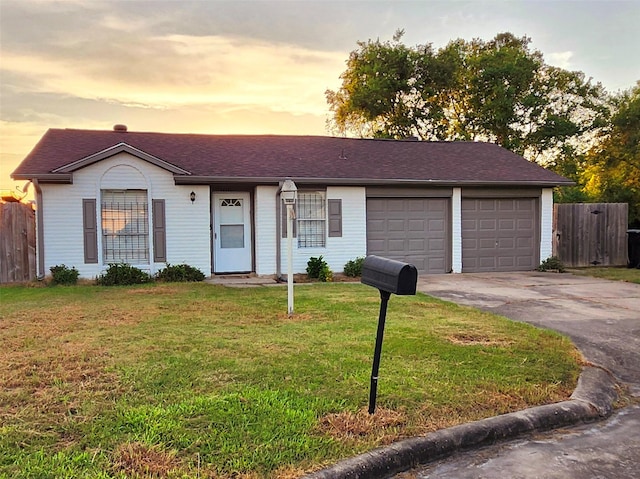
253, 66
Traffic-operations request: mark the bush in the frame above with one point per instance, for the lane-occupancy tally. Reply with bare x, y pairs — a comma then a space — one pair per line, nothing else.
120, 274
317, 268
353, 267
61, 274
180, 273
552, 264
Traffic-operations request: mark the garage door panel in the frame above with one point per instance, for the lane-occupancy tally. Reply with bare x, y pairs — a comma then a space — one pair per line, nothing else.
413, 230
507, 243
437, 225
525, 243
507, 224
487, 224
417, 245
525, 205
417, 225
395, 225
486, 205
396, 246
499, 234
506, 205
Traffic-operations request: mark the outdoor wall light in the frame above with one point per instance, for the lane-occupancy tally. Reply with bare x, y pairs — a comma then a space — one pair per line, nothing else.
192, 196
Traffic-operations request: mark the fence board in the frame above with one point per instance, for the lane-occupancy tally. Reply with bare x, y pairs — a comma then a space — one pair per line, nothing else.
17, 243
589, 234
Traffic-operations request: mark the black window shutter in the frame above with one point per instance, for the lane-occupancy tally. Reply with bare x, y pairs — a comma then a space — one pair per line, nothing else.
90, 230
159, 232
335, 218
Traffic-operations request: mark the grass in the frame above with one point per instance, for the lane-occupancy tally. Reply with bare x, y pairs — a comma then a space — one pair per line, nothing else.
630, 275
195, 380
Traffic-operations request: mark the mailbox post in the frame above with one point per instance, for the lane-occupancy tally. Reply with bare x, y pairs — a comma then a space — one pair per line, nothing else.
390, 277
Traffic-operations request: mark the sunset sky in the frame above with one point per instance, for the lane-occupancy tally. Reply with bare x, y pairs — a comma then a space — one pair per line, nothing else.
253, 66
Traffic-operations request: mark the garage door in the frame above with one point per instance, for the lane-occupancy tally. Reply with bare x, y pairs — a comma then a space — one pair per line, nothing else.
413, 230
499, 234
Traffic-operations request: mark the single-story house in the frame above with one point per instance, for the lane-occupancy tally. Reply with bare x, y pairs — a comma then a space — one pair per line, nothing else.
213, 202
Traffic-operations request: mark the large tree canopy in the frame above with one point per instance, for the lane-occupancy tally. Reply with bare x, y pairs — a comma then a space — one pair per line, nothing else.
610, 171
499, 91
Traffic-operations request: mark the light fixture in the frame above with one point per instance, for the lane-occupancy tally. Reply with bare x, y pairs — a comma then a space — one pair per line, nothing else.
289, 192
192, 196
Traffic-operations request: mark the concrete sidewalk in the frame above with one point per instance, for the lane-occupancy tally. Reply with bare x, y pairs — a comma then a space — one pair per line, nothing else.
601, 317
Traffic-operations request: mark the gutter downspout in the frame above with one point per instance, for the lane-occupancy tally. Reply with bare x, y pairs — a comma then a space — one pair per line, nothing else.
39, 231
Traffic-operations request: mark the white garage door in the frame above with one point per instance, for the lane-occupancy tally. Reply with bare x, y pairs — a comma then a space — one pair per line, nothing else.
499, 234
413, 230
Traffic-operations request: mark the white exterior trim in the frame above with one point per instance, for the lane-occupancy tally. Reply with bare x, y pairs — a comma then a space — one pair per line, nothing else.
456, 231
546, 224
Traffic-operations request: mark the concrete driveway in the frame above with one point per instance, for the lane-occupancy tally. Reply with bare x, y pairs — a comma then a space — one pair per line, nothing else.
603, 320
602, 317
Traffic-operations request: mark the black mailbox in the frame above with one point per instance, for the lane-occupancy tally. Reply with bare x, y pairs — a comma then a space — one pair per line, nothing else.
389, 275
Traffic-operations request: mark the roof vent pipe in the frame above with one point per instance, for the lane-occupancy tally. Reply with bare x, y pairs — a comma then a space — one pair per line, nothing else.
120, 128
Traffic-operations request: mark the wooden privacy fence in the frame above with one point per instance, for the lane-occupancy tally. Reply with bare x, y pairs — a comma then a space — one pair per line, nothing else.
17, 243
590, 234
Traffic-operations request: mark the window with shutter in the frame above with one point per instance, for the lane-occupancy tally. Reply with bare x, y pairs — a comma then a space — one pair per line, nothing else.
125, 226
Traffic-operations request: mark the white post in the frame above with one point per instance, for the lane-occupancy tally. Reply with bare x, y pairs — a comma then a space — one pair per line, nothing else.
290, 258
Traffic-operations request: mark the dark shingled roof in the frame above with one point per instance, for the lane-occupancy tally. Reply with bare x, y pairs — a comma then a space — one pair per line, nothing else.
256, 158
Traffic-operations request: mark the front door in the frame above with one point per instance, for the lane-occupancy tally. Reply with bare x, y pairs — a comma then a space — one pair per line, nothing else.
232, 232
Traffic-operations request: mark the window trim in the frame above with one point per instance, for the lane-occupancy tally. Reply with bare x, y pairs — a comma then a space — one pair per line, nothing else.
140, 253
305, 238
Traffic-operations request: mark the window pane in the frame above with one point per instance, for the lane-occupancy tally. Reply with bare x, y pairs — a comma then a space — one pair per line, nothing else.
231, 211
311, 219
125, 226
232, 236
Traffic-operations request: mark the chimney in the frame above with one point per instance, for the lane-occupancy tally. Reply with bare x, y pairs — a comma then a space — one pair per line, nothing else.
120, 128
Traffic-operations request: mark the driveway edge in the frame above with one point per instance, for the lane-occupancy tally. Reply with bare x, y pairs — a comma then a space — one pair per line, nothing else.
592, 400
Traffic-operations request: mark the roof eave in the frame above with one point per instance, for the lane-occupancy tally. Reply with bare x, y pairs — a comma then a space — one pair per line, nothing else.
275, 180
61, 178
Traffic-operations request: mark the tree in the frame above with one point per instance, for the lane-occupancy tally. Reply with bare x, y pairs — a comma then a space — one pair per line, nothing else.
612, 167
499, 91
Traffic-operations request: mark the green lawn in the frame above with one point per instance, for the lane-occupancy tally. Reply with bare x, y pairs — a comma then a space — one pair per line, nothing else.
195, 380
631, 275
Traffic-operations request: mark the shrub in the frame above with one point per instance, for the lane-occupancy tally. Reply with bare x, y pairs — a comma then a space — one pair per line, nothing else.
62, 274
123, 274
552, 264
353, 267
179, 273
317, 268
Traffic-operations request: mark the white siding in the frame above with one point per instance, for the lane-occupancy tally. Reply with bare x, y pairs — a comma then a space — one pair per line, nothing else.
187, 224
456, 231
546, 224
338, 250
266, 235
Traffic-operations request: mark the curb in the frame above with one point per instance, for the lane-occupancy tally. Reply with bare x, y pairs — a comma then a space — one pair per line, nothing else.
592, 400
